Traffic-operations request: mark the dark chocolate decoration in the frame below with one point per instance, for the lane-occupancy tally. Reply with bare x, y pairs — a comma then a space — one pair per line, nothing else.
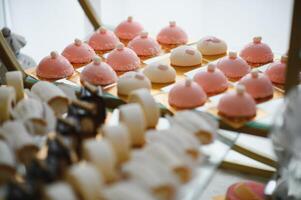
25, 191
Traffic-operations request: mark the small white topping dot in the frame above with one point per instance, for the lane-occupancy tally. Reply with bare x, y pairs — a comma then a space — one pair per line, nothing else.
257, 39
77, 42
172, 23
139, 76
53, 54
102, 30
143, 34
211, 67
162, 67
130, 18
240, 89
190, 52
188, 82
120, 46
254, 73
232, 54
97, 60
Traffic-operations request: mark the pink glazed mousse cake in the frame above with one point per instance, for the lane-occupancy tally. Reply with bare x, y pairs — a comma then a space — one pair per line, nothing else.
257, 53
123, 59
276, 71
54, 66
103, 40
79, 53
98, 73
128, 29
248, 190
186, 94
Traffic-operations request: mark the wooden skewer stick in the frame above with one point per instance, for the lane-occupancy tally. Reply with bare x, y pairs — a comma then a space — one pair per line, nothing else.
90, 13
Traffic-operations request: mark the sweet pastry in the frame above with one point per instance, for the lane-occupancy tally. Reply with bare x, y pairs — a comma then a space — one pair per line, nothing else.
79, 53
57, 190
133, 118
98, 73
233, 67
160, 73
123, 59
7, 162
131, 81
147, 102
54, 66
172, 35
102, 155
237, 105
185, 56
246, 190
186, 95
7, 100
257, 53
213, 81
15, 80
144, 46
212, 46
276, 71
103, 40
258, 85
128, 29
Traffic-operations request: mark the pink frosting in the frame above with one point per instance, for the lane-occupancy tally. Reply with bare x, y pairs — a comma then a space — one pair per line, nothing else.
98, 73
256, 188
258, 85
144, 45
79, 52
123, 59
54, 66
103, 40
128, 29
172, 34
276, 72
257, 52
186, 94
212, 80
233, 66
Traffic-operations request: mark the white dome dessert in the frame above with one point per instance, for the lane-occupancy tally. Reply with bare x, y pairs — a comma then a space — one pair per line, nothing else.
211, 45
160, 73
185, 56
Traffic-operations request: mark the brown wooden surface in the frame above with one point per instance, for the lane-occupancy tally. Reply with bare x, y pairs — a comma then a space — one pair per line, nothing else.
90, 13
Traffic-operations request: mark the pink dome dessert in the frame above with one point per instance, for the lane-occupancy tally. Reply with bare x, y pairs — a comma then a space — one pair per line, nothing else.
233, 67
186, 95
54, 66
78, 53
257, 53
258, 85
144, 45
276, 71
172, 35
98, 73
103, 40
213, 81
246, 190
123, 59
237, 105
128, 29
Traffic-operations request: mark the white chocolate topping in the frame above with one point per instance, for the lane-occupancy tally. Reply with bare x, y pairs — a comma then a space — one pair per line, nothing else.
232, 54
240, 89
144, 34
188, 82
120, 46
162, 67
77, 42
102, 30
97, 60
257, 39
172, 23
211, 67
130, 18
190, 52
284, 59
139, 76
53, 54
254, 73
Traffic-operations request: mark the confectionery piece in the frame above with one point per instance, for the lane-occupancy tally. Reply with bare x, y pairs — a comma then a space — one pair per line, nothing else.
258, 85
213, 81
103, 40
257, 53
186, 94
128, 29
79, 53
54, 96
144, 46
7, 100
276, 71
131, 81
233, 67
98, 73
123, 59
102, 155
132, 116
147, 102
7, 162
54, 66
120, 139
59, 190
246, 190
185, 56
172, 35
237, 105
211, 46
160, 73
15, 80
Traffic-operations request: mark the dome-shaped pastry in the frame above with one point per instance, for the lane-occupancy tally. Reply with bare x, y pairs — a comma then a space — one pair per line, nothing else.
160, 73
211, 45
131, 81
276, 71
98, 73
54, 66
257, 53
103, 40
172, 35
233, 67
186, 95
128, 29
258, 85
213, 81
123, 59
246, 190
237, 105
144, 46
185, 56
